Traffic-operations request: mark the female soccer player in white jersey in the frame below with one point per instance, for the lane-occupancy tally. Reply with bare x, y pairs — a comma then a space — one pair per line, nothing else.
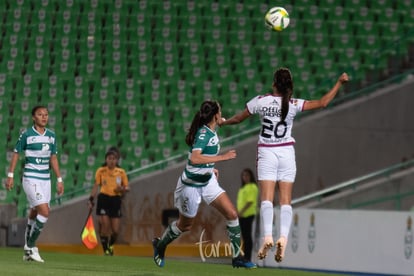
199, 182
276, 164
39, 146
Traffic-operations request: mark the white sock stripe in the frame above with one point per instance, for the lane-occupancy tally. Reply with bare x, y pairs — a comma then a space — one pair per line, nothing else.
233, 223
41, 218
174, 228
287, 208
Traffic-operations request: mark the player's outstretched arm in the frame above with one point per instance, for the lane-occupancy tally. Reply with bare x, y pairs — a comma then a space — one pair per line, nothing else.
329, 96
236, 119
198, 158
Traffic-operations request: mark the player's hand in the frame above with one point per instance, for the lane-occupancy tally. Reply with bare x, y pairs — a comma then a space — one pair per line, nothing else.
60, 188
343, 78
231, 154
221, 121
216, 173
9, 183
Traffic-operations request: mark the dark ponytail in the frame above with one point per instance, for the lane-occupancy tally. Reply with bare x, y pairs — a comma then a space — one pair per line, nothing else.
282, 80
208, 110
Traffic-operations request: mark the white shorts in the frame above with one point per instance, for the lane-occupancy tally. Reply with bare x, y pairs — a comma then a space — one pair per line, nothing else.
188, 198
276, 163
37, 191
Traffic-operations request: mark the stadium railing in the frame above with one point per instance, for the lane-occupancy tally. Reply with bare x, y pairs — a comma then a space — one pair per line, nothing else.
354, 184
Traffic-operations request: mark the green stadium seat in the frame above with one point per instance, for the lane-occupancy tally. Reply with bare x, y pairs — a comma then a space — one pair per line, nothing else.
181, 93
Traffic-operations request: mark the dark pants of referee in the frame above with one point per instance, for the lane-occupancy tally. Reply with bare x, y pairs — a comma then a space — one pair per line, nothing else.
246, 226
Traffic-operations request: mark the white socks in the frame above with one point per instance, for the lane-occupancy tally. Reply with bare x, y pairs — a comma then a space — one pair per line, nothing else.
285, 220
266, 216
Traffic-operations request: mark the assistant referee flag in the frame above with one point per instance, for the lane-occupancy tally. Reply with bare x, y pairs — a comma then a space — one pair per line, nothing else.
88, 234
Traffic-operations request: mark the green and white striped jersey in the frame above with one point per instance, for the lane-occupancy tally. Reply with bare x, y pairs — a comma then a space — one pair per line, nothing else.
207, 141
37, 149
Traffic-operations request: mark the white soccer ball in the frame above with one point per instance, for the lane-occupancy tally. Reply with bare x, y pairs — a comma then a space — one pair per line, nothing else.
277, 19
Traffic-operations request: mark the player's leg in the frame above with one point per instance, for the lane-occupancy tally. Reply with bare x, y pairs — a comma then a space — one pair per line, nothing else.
267, 164
224, 205
287, 174
38, 196
215, 196
286, 214
267, 188
187, 200
31, 219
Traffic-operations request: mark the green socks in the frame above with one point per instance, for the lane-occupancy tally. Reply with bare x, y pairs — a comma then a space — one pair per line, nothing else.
171, 233
35, 230
235, 239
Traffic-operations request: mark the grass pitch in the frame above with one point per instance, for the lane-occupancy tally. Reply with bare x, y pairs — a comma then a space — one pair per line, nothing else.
60, 264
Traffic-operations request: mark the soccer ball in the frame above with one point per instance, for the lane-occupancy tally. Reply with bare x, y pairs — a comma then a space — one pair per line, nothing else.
277, 19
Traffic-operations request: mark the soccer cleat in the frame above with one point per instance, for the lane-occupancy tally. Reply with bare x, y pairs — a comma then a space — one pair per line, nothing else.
32, 254
111, 250
267, 244
26, 256
239, 261
280, 249
158, 253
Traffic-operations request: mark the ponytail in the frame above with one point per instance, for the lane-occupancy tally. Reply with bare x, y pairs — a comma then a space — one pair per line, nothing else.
282, 80
206, 113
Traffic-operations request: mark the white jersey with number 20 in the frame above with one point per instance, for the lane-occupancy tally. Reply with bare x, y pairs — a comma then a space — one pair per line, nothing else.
274, 132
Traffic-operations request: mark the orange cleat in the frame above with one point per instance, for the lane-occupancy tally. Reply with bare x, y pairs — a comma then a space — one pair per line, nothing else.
280, 249
267, 244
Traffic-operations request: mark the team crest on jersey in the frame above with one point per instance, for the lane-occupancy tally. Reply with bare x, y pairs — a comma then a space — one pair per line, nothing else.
45, 147
213, 141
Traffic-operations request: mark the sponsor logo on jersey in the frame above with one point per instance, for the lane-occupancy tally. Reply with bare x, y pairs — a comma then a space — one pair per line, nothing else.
270, 111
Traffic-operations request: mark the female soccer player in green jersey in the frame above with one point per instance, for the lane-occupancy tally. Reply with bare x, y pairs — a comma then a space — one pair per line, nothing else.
39, 146
199, 182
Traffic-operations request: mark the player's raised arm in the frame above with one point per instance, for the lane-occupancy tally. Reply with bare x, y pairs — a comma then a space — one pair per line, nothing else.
328, 97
